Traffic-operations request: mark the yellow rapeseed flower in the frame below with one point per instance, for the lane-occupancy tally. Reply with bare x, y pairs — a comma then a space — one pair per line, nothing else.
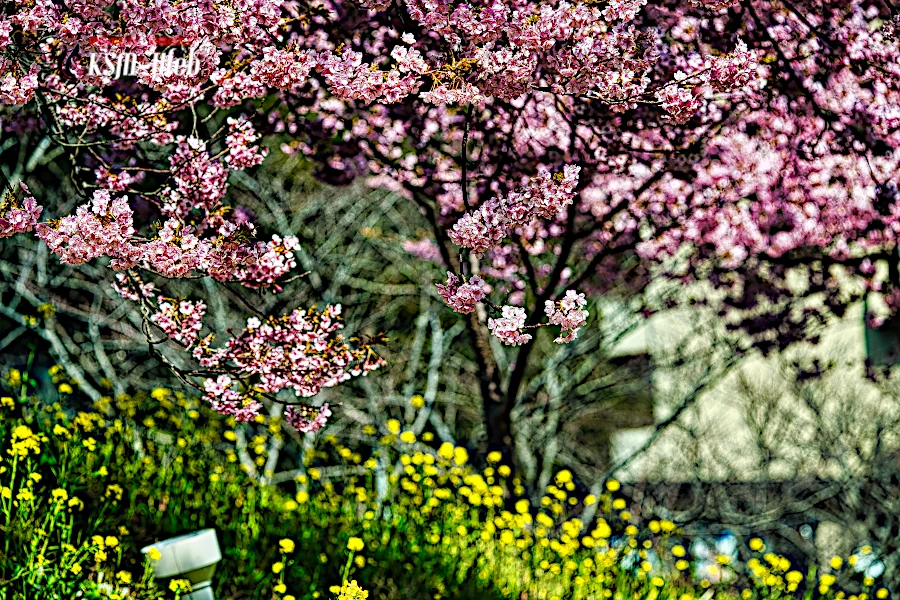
417, 401
793, 577
180, 585
286, 546
836, 562
355, 544
351, 591
757, 545
408, 437
393, 425
612, 485
494, 457
446, 450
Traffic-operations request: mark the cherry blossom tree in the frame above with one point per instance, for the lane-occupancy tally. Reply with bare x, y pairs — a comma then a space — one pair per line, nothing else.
560, 150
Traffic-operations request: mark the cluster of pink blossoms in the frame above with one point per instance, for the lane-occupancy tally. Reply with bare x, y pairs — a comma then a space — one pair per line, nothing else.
224, 398
712, 74
124, 288
102, 228
544, 196
568, 314
307, 419
198, 181
462, 296
508, 329
15, 218
273, 259
300, 351
243, 152
181, 320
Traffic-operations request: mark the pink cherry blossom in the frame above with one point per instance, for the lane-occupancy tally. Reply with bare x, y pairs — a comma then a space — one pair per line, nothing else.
568, 314
508, 329
462, 296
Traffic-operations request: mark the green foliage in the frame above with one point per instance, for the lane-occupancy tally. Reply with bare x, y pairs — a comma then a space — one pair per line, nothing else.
411, 519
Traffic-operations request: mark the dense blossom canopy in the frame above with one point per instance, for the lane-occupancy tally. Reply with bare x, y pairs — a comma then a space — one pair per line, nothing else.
563, 146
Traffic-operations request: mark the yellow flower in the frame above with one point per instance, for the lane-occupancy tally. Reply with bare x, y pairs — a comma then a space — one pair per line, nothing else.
836, 562
658, 581
408, 437
355, 544
881, 594
24, 441
393, 425
302, 496
612, 485
280, 588
678, 551
417, 401
460, 455
360, 561
564, 476
111, 541
286, 546
7, 402
124, 577
76, 568
154, 554
446, 450
180, 585
289, 597
351, 591
757, 545
494, 457
277, 567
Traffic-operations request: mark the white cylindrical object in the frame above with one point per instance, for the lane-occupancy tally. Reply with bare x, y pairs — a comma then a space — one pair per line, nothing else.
193, 557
